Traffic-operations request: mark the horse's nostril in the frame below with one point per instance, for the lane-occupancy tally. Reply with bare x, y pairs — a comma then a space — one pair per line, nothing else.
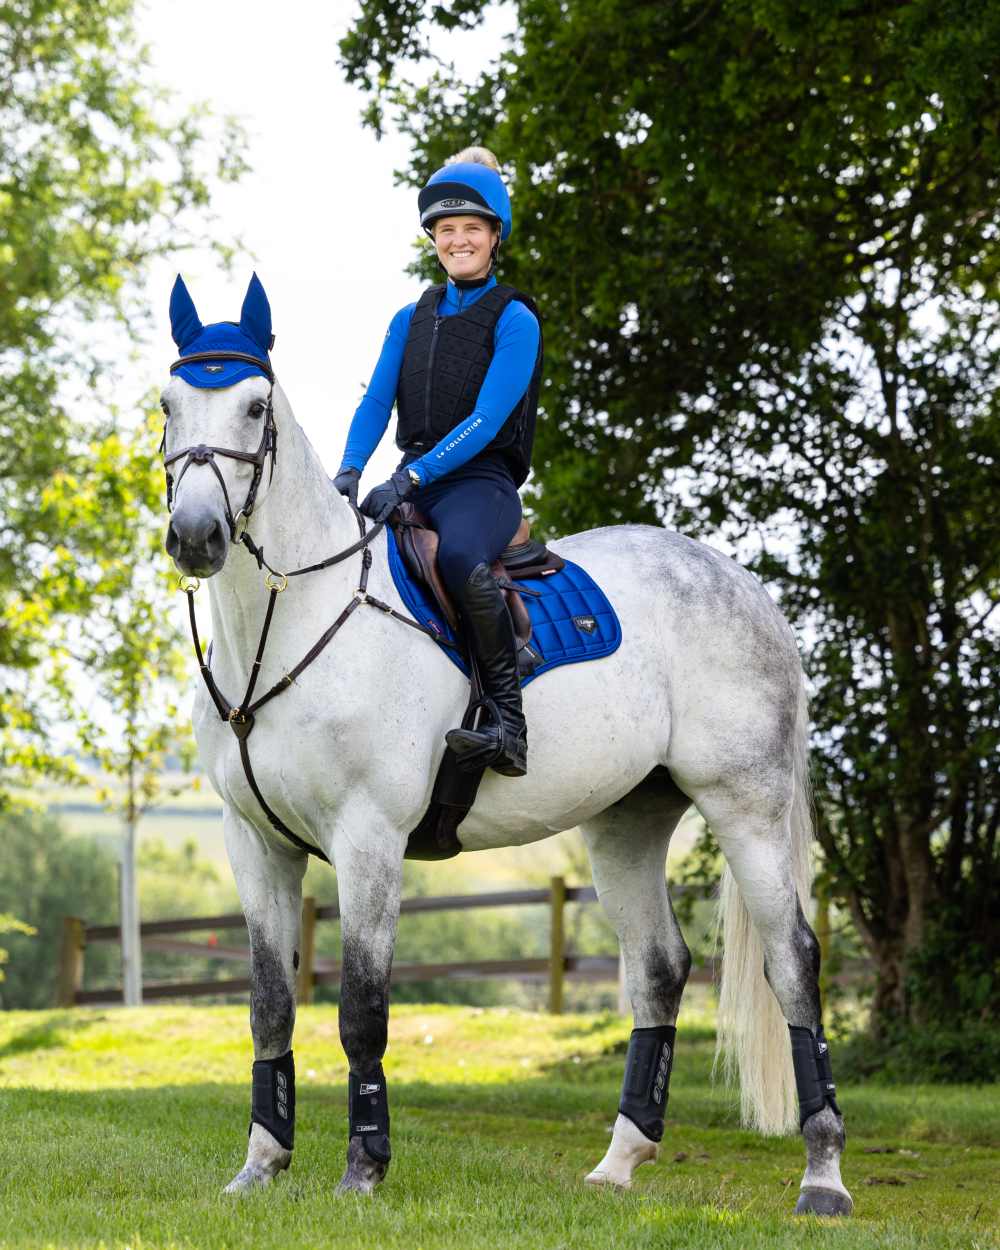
173, 543
215, 539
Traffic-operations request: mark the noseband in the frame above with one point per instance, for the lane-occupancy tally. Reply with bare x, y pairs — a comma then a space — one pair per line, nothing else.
203, 454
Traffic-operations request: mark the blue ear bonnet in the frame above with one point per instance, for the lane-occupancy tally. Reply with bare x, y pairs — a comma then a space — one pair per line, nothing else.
465, 187
252, 336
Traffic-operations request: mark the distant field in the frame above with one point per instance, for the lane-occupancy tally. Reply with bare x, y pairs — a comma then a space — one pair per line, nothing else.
121, 1127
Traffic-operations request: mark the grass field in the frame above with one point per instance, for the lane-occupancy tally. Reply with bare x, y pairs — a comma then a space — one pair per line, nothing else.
119, 1128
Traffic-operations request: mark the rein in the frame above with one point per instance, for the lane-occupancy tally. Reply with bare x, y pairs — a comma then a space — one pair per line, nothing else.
241, 717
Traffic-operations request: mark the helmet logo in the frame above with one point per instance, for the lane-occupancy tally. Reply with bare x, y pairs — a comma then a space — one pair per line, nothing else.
453, 203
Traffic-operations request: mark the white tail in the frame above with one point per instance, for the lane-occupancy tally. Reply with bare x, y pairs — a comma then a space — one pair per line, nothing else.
753, 1036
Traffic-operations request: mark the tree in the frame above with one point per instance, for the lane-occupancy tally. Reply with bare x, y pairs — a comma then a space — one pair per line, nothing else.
10, 924
98, 174
51, 876
127, 651
763, 237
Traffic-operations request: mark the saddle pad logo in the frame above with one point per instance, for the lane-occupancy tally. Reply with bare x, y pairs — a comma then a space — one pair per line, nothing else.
213, 368
588, 624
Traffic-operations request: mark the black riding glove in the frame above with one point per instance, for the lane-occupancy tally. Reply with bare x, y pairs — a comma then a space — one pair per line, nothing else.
384, 499
346, 482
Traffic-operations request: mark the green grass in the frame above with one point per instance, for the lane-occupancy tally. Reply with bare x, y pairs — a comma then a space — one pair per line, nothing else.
119, 1128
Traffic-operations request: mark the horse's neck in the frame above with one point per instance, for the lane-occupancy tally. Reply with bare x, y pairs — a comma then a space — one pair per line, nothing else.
300, 520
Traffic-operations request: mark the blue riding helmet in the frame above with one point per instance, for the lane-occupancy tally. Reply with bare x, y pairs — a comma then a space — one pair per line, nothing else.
465, 187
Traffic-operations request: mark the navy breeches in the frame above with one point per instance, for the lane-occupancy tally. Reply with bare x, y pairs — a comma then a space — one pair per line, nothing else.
475, 517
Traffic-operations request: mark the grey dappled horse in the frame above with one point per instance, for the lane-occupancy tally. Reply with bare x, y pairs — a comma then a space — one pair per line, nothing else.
702, 703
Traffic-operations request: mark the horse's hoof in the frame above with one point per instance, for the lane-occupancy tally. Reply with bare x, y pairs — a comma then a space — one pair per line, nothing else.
815, 1201
249, 1179
599, 1179
629, 1149
363, 1172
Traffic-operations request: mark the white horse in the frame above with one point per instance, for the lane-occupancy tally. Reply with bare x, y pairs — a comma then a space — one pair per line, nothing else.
702, 703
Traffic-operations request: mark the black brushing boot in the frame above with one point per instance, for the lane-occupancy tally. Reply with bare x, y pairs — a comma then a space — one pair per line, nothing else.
502, 747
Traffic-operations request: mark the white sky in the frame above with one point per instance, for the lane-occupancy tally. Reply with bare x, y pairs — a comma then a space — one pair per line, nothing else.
330, 233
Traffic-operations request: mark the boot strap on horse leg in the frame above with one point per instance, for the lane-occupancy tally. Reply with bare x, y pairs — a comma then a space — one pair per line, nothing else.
647, 1078
368, 1113
272, 1101
813, 1073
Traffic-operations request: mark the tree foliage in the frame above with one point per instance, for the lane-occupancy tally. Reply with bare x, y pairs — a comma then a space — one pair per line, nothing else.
763, 237
99, 173
47, 876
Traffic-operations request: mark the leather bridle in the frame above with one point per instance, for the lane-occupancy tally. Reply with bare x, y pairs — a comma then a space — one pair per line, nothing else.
241, 716
201, 453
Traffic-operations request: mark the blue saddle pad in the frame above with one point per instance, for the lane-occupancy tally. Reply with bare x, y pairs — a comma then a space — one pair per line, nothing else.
571, 621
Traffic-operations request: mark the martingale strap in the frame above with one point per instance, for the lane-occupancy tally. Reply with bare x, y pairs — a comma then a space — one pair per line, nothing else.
242, 717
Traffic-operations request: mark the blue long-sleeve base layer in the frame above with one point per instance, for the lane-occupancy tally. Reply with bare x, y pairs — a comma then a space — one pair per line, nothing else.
514, 352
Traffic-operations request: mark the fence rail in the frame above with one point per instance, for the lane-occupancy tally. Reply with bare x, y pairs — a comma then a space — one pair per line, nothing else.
556, 968
158, 935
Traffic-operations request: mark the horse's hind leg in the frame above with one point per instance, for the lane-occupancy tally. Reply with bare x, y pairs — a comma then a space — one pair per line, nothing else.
628, 849
269, 881
753, 830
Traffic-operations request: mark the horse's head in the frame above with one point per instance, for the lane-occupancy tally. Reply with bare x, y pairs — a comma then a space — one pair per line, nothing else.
219, 434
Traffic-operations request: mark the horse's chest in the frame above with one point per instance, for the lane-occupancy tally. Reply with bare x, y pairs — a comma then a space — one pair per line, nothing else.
281, 756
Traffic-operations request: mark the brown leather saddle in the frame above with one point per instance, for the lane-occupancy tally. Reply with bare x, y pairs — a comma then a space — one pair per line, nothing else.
436, 836
524, 559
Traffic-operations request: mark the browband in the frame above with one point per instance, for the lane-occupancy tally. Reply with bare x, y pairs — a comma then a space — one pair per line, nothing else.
263, 365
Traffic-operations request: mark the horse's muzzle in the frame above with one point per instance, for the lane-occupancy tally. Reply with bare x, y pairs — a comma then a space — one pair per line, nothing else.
197, 544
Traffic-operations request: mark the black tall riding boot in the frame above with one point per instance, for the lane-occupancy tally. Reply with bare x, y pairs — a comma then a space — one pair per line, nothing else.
502, 747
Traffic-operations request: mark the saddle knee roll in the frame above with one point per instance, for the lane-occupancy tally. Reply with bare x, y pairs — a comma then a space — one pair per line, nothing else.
813, 1073
272, 1100
646, 1086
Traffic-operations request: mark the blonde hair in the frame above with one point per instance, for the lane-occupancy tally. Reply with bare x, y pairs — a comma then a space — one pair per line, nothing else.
475, 156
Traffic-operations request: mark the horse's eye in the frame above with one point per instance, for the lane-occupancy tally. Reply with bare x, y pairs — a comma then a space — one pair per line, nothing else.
257, 409
166, 407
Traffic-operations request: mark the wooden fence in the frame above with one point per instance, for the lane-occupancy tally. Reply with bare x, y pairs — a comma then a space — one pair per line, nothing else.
162, 935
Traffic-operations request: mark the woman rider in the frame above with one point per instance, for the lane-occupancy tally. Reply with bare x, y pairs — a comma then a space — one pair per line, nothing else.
462, 366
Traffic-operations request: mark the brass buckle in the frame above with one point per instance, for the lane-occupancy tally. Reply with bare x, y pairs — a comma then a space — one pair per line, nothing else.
240, 523
188, 584
276, 581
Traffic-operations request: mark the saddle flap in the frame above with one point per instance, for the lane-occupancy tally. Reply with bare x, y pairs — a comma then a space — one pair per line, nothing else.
418, 545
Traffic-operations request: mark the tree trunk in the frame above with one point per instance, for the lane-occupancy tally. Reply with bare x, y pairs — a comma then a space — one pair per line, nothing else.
131, 944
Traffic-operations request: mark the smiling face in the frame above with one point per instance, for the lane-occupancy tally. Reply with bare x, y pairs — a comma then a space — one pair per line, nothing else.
464, 244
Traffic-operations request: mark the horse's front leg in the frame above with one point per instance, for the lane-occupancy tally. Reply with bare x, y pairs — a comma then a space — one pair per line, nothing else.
269, 880
369, 884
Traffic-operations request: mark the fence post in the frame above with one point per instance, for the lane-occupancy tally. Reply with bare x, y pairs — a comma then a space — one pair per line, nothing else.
557, 944
823, 938
69, 977
307, 951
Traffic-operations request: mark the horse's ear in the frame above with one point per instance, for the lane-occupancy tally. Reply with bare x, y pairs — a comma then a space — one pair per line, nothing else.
184, 322
255, 316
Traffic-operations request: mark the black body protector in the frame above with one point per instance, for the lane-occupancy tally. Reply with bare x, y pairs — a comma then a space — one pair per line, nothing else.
444, 364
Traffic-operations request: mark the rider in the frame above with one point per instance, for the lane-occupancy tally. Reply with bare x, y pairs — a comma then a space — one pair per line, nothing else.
462, 366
